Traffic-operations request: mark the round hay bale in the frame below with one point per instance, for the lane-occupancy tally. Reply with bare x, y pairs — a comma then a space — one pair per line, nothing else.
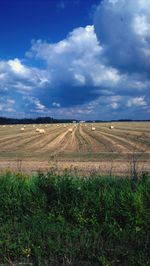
37, 129
42, 131
70, 129
22, 129
111, 127
93, 128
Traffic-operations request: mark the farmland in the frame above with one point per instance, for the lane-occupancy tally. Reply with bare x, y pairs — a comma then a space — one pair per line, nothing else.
53, 217
75, 144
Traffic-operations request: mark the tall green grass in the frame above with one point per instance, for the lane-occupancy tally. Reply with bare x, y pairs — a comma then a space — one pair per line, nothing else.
63, 220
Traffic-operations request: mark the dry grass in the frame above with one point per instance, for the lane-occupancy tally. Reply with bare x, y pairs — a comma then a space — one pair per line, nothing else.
88, 150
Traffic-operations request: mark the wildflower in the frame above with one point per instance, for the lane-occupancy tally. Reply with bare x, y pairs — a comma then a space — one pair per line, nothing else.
27, 252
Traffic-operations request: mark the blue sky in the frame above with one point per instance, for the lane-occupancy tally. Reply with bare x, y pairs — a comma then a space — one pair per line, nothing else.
75, 59
51, 20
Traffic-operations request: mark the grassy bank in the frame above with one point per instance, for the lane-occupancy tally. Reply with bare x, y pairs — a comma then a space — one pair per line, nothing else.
63, 220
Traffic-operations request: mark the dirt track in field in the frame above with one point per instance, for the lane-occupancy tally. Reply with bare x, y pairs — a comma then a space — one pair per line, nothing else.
81, 146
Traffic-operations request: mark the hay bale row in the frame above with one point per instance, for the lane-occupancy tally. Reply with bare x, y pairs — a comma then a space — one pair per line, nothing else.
40, 130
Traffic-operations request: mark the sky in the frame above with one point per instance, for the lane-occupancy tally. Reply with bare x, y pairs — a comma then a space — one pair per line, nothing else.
75, 59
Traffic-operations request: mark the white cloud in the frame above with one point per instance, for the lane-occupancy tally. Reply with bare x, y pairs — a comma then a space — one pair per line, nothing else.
17, 67
80, 79
114, 105
16, 77
11, 101
77, 58
36, 102
116, 98
7, 104
141, 25
11, 110
54, 104
81, 75
137, 101
123, 29
78, 42
105, 76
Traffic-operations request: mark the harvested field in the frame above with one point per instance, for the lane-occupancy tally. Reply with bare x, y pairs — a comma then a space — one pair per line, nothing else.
79, 146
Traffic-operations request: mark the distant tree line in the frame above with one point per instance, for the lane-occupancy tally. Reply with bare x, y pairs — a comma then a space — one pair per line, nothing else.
50, 120
39, 120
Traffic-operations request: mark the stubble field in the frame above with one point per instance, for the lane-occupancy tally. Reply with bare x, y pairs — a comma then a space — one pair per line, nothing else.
76, 145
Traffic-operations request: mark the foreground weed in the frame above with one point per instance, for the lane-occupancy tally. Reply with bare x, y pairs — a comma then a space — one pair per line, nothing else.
52, 219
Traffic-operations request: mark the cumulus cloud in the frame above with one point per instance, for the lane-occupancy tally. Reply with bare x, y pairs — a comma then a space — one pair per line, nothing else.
76, 67
15, 74
17, 67
71, 59
98, 71
123, 29
137, 101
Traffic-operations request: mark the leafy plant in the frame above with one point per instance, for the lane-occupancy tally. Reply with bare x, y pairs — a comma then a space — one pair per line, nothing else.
52, 219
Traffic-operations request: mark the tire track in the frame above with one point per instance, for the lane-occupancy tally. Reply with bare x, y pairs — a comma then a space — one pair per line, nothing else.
56, 142
127, 143
45, 141
83, 142
72, 144
109, 144
93, 144
22, 140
